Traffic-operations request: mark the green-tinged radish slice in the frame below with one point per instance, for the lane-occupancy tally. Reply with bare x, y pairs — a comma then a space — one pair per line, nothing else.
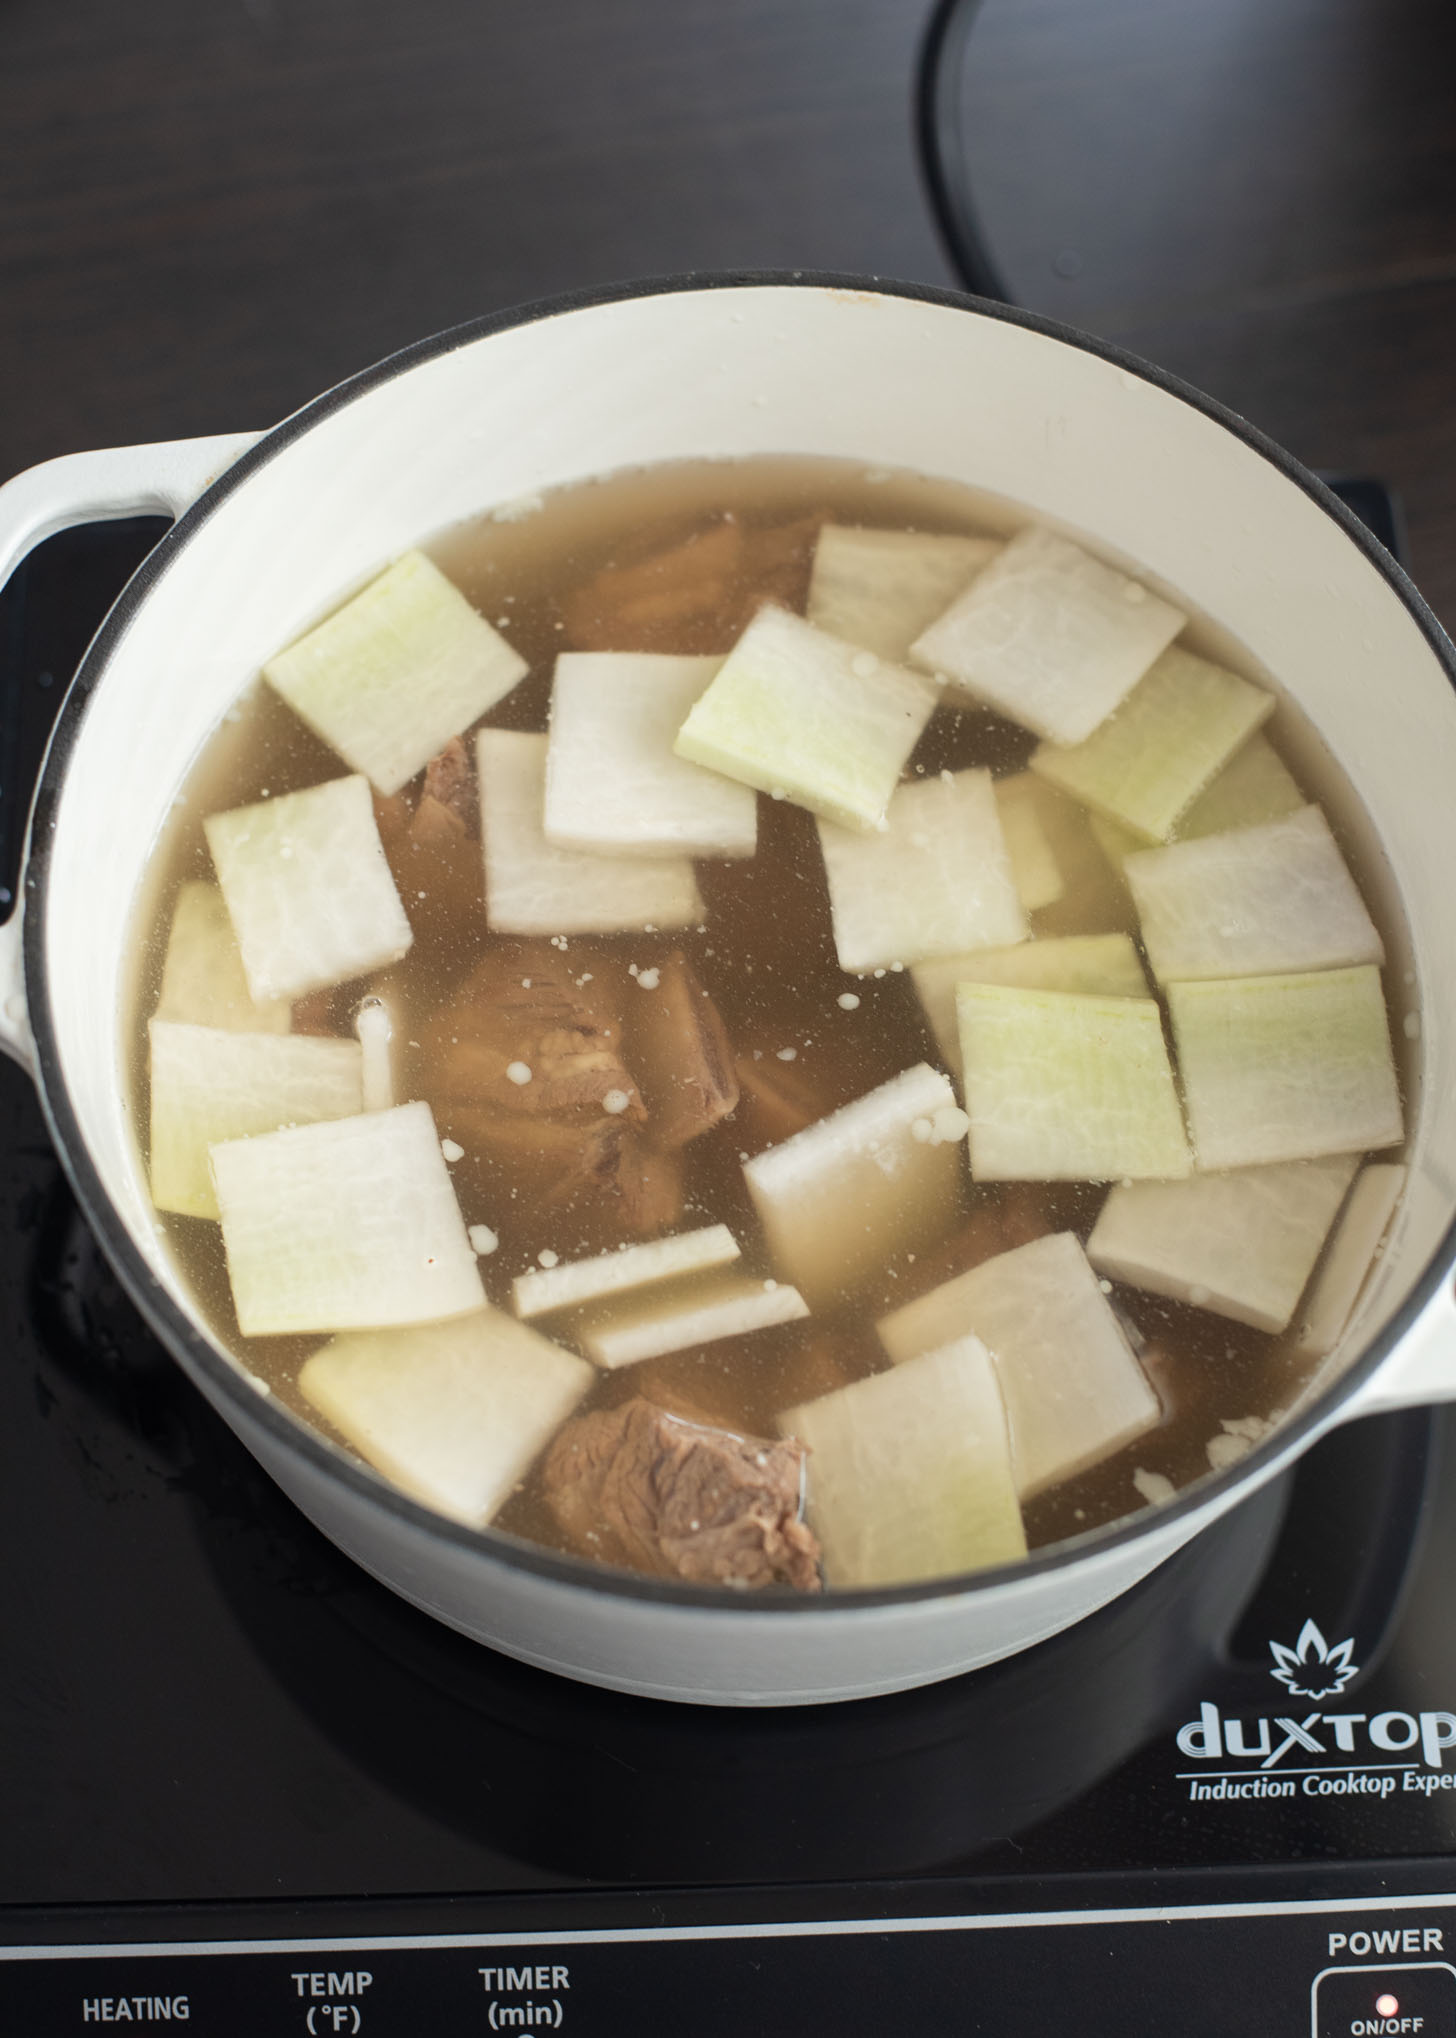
1073, 1388
616, 1273
1152, 757
534, 887
307, 888
804, 717
1241, 1244
614, 784
1335, 1289
1255, 785
351, 1225
209, 1085
1034, 867
841, 1197
882, 588
390, 677
649, 1326
1065, 1086
938, 881
1286, 1068
1265, 901
454, 1413
1049, 636
1107, 965
202, 976
909, 1471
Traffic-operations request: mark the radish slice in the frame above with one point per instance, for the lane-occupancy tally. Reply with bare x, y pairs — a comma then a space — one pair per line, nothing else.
938, 881
390, 677
1152, 757
881, 588
635, 1266
202, 977
1049, 636
1262, 901
1242, 1244
614, 786
345, 1226
840, 1197
649, 1326
453, 1413
1062, 1086
209, 1085
910, 1471
1286, 1068
1105, 964
1074, 1391
804, 717
1253, 786
307, 888
1038, 875
1336, 1287
534, 887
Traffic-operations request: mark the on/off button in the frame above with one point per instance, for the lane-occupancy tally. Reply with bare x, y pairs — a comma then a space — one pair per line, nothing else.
1386, 2002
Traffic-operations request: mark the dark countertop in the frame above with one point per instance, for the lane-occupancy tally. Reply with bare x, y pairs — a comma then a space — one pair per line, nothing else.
212, 209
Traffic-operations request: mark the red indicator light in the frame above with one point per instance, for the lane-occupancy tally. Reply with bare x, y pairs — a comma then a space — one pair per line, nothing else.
1386, 2006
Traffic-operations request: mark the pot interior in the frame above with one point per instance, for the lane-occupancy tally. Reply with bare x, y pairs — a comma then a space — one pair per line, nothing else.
495, 418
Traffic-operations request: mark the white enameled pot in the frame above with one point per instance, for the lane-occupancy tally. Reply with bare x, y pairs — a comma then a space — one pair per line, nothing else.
271, 530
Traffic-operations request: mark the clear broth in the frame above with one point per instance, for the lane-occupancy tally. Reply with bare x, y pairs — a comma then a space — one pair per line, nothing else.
766, 956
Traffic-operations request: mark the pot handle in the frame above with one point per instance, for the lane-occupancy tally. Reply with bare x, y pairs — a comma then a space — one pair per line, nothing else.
83, 488
1422, 1369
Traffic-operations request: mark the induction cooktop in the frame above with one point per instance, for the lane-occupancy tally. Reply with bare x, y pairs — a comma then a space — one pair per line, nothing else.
245, 1788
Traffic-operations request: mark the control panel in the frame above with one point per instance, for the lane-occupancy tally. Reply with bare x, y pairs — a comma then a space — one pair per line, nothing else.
1354, 1970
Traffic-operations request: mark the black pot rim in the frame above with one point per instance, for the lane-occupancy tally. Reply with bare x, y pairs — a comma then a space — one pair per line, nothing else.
198, 1355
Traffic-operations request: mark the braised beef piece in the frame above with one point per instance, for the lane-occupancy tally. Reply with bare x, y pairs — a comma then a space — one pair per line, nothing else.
696, 595
638, 1486
432, 847
680, 1049
450, 783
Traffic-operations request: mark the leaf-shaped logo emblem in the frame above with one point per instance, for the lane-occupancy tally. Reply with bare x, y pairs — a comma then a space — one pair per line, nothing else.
1312, 1669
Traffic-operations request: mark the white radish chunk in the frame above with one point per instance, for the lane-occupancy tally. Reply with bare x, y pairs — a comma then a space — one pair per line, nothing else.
202, 976
1074, 1391
616, 1273
208, 1085
1064, 1086
534, 887
650, 1326
1335, 1290
839, 1198
1107, 965
380, 1034
804, 717
614, 785
1147, 763
307, 887
1241, 1244
909, 1472
1265, 901
1093, 898
390, 677
1286, 1068
881, 588
1049, 636
351, 1225
454, 1413
938, 881
1034, 867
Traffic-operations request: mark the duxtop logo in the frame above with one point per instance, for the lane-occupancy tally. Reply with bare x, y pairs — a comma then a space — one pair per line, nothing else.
1312, 1669
1310, 1756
